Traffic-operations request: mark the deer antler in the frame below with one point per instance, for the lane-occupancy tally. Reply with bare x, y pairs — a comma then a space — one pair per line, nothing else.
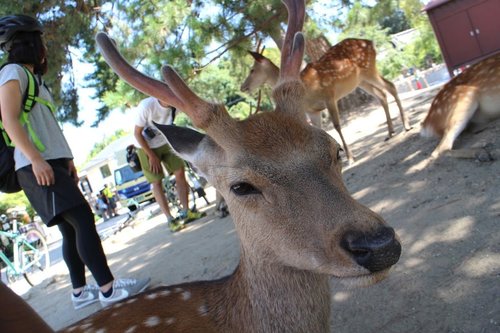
290, 91
209, 116
292, 51
175, 93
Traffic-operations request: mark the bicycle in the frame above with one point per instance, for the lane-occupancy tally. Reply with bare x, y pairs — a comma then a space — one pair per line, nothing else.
24, 252
195, 184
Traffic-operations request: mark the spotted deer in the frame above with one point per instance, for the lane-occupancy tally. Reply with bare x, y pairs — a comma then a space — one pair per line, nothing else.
344, 67
473, 96
297, 224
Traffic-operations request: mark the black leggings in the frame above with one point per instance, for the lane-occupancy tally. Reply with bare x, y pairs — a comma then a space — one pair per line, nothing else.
82, 247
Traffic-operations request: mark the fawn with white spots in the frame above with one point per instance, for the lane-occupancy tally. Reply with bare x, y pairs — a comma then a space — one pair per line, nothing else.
344, 67
297, 224
473, 96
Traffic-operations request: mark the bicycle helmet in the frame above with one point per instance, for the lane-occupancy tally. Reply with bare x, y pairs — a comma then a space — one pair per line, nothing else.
12, 24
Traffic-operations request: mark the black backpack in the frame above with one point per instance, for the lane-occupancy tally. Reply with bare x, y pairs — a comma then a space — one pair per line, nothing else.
8, 178
132, 159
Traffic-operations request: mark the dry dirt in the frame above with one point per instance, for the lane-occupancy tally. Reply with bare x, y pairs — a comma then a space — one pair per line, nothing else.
447, 216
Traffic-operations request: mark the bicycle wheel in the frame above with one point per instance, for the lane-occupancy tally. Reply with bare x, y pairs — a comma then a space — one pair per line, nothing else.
34, 257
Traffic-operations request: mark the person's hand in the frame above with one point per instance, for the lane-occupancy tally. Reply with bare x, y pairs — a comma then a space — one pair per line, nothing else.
44, 173
72, 171
154, 163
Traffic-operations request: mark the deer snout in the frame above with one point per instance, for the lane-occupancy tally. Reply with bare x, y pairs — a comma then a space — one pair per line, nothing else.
374, 251
244, 87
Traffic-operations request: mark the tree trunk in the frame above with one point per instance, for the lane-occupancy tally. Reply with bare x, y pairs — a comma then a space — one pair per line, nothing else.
316, 47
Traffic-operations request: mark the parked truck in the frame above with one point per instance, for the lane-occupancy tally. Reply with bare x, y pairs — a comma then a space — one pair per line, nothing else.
132, 186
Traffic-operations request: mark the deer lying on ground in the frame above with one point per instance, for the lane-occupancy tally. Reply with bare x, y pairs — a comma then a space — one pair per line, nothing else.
344, 67
297, 224
470, 97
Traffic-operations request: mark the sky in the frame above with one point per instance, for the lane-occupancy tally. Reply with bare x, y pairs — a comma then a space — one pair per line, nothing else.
82, 139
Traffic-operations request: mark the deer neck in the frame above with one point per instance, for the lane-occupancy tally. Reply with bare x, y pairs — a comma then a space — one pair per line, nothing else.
274, 73
275, 298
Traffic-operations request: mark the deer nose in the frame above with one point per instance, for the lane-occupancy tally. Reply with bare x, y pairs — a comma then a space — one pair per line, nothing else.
374, 251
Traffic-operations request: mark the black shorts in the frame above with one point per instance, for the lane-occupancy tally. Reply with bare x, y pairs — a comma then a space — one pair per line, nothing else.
50, 201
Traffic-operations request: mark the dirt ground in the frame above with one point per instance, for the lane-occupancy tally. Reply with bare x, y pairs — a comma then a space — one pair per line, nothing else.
447, 215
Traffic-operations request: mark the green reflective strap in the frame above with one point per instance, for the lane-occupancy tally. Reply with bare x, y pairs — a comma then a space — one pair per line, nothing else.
30, 99
26, 108
48, 104
36, 141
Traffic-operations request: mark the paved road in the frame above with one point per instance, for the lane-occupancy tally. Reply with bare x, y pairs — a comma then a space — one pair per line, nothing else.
104, 229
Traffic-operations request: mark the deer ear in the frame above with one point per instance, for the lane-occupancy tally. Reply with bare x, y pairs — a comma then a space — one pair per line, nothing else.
257, 56
182, 140
192, 146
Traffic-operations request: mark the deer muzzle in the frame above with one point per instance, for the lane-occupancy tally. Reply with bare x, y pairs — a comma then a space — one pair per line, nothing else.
375, 251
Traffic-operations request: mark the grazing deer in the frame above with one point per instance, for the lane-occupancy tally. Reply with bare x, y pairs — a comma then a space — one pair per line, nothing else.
344, 67
297, 224
473, 96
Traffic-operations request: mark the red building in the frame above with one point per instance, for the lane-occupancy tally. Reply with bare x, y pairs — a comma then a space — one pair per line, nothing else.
467, 30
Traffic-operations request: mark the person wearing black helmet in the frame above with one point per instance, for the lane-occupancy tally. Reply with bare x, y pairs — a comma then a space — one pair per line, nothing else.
45, 169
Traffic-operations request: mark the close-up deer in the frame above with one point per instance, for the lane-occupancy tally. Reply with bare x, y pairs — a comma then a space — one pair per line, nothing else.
473, 97
298, 226
344, 67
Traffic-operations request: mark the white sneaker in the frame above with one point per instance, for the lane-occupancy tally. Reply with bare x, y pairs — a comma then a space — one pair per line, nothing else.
123, 288
88, 296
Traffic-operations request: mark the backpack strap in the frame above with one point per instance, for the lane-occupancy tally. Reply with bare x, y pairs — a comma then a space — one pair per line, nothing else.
30, 98
48, 104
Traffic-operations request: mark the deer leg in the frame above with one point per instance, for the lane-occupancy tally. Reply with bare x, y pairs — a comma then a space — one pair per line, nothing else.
334, 116
382, 98
465, 106
391, 88
383, 84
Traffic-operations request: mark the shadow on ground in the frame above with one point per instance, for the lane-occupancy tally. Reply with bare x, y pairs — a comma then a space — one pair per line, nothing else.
447, 216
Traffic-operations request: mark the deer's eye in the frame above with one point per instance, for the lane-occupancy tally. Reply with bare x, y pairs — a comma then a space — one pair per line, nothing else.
243, 188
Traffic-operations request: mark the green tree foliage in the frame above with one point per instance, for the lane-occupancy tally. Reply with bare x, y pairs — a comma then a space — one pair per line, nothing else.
12, 200
205, 40
197, 37
425, 48
388, 14
150, 34
388, 17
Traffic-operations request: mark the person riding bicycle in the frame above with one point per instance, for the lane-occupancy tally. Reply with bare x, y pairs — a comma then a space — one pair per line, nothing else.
46, 171
156, 152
